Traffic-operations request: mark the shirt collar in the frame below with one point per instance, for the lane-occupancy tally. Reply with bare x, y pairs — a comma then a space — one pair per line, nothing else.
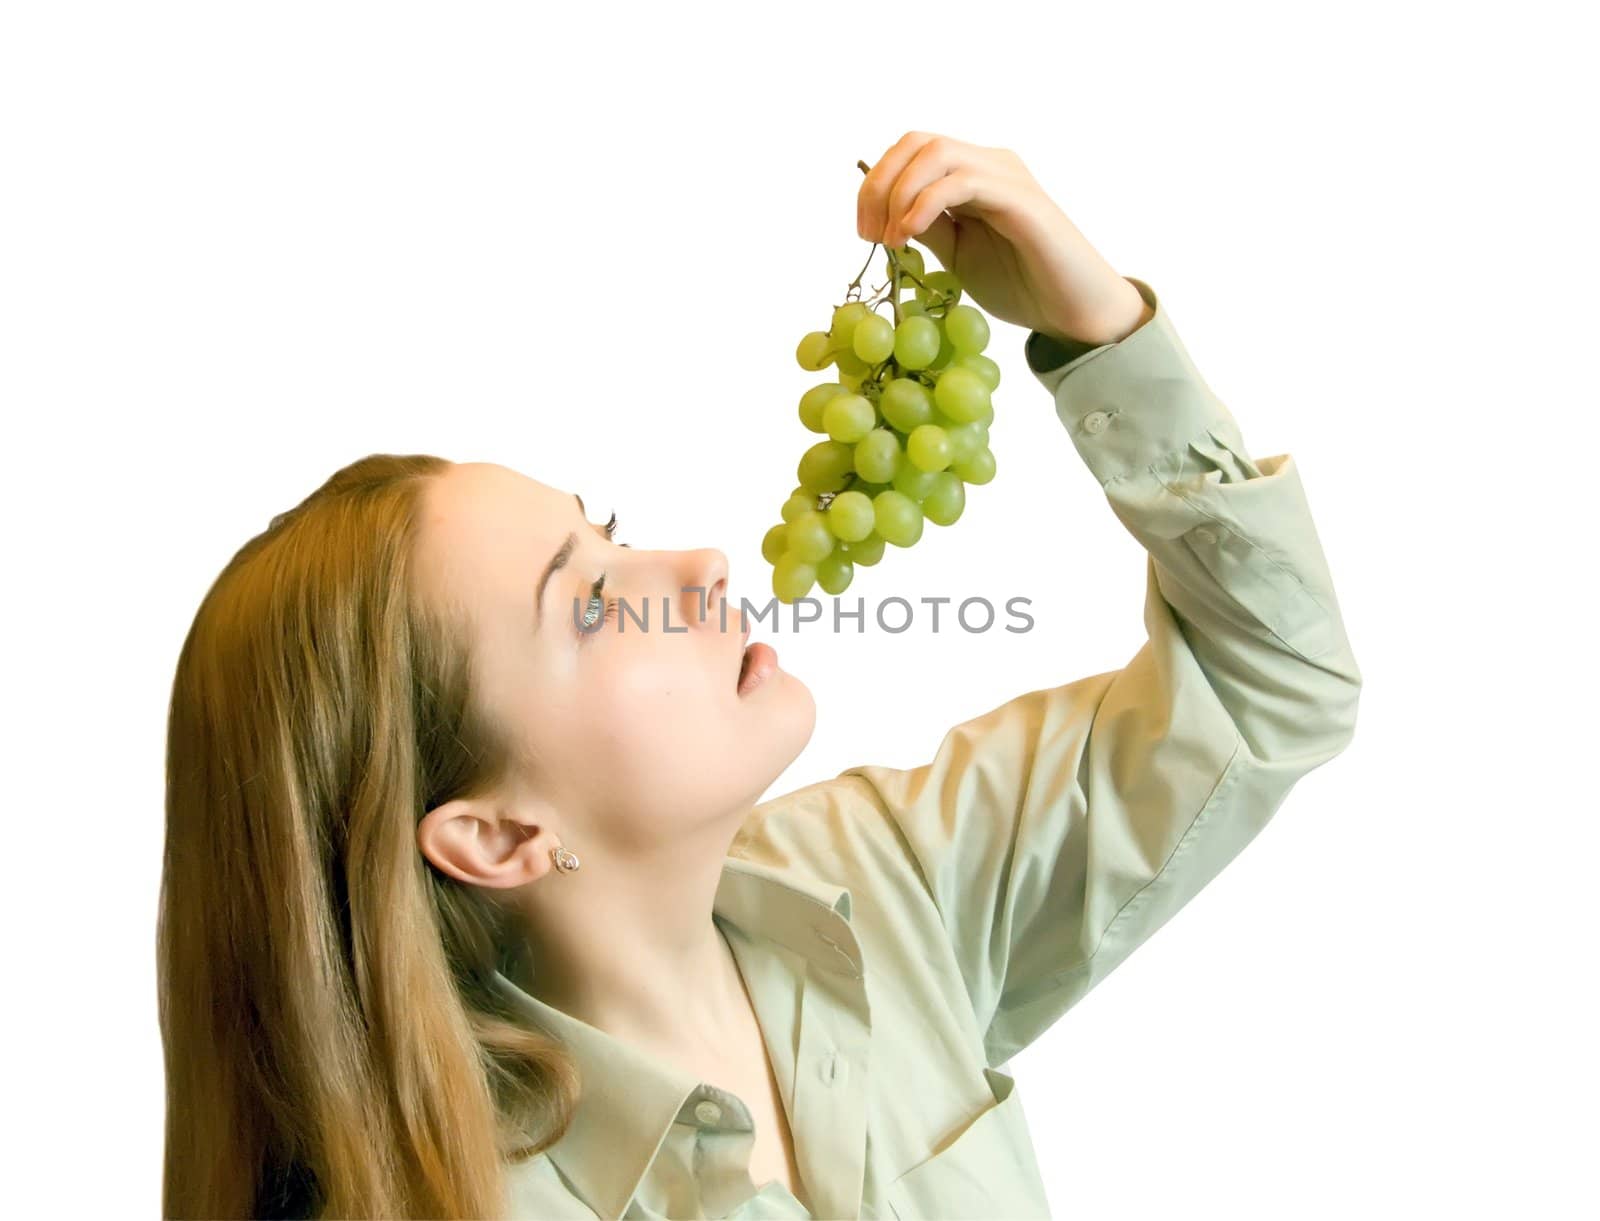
629, 1100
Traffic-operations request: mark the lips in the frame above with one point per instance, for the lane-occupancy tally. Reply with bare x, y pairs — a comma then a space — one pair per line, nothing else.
760, 662
756, 661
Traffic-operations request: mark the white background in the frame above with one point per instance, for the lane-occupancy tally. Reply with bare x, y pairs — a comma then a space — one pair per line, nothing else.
244, 245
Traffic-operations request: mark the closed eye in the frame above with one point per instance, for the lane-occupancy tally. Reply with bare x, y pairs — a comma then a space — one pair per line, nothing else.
598, 609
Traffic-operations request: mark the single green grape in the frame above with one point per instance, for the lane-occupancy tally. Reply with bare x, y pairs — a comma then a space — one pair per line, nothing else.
798, 503
852, 381
873, 338
978, 469
944, 504
961, 394
910, 307
814, 400
913, 481
928, 447
775, 543
980, 364
910, 259
809, 536
905, 403
835, 572
792, 577
940, 286
916, 342
878, 456
866, 551
823, 467
848, 417
812, 352
898, 518
967, 327
965, 440
850, 516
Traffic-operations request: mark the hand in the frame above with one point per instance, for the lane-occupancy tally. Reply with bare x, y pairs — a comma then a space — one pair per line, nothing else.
1015, 252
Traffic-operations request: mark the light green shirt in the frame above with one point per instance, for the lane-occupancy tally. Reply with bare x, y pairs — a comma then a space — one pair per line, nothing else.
905, 932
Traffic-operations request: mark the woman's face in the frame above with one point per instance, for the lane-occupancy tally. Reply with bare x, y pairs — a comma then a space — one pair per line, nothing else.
631, 731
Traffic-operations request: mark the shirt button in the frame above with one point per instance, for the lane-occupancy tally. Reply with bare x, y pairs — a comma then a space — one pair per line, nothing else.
707, 1112
1095, 421
1206, 535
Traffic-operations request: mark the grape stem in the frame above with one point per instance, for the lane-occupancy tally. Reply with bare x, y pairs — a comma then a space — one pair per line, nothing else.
856, 283
896, 270
824, 499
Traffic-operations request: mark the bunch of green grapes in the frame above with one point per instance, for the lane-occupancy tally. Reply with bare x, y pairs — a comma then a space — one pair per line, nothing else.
905, 428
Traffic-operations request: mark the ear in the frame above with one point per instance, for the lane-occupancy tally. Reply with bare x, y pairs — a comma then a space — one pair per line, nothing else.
482, 841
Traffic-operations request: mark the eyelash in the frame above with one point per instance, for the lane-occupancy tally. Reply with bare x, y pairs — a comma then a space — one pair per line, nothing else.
611, 529
589, 629
594, 590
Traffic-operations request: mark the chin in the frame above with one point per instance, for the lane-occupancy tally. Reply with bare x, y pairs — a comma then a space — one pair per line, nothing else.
786, 716
788, 729
801, 714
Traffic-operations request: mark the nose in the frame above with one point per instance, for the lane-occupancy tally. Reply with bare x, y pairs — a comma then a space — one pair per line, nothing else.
704, 587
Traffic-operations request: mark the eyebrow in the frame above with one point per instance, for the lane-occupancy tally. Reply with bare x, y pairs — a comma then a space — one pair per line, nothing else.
557, 562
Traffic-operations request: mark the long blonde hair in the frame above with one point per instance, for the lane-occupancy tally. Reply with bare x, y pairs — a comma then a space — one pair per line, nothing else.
332, 1046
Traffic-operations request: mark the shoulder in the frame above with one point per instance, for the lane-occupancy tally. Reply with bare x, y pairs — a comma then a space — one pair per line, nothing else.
835, 832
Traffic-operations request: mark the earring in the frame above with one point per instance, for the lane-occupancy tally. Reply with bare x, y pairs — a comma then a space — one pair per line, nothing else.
565, 861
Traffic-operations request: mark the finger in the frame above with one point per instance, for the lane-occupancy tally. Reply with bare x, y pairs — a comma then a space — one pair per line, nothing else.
922, 212
939, 237
936, 162
988, 196
872, 200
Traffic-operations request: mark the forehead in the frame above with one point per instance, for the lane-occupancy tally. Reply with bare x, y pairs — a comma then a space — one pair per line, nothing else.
478, 490
486, 524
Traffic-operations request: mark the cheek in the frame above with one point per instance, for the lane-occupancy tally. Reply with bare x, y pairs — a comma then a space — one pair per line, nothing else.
651, 676
644, 692
656, 717
649, 770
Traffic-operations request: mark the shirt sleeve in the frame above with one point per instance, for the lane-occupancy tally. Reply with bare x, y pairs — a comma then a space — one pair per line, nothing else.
1058, 831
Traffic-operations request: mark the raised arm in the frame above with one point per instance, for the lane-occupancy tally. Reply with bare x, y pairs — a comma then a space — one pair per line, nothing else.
1058, 831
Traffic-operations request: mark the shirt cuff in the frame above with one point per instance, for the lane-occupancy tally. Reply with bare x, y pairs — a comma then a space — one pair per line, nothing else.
1128, 404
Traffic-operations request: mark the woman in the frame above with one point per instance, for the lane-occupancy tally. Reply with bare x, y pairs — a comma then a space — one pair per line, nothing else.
467, 909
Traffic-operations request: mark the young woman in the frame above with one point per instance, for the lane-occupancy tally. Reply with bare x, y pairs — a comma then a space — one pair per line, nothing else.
468, 909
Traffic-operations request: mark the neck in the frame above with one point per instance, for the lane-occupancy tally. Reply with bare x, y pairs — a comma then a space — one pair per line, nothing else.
631, 948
